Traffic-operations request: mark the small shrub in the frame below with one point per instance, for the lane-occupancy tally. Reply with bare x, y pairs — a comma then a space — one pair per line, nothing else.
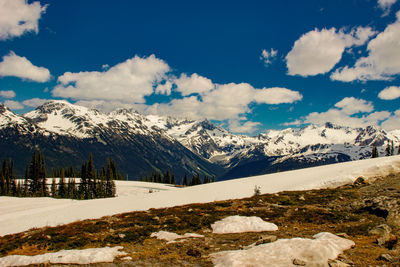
257, 190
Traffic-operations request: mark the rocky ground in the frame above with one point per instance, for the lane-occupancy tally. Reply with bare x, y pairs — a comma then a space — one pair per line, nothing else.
366, 212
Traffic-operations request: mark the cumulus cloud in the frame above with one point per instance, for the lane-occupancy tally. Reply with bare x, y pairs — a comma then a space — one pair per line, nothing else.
339, 117
236, 126
318, 51
18, 17
127, 84
390, 93
11, 104
21, 67
382, 62
34, 102
350, 112
385, 5
393, 122
351, 105
268, 56
226, 101
7, 94
129, 81
108, 106
164, 89
193, 84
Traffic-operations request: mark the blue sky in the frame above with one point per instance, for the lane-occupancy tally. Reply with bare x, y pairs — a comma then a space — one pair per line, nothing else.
249, 66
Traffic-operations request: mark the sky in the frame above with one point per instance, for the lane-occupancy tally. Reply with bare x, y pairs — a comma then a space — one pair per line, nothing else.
248, 66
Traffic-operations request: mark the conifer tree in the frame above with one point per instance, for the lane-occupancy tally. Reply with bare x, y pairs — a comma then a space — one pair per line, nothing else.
167, 177
392, 149
53, 188
62, 190
374, 153
185, 180
83, 186
387, 150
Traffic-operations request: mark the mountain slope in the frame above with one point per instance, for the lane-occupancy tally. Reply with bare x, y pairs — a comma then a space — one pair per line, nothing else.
67, 133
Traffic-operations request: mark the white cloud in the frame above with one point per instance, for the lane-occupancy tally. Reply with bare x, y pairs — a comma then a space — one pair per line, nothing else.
126, 85
318, 51
351, 105
107, 106
349, 111
236, 126
390, 93
18, 17
385, 5
393, 122
11, 104
226, 101
164, 89
293, 123
339, 117
34, 102
268, 56
7, 94
383, 61
193, 84
276, 95
14, 65
129, 81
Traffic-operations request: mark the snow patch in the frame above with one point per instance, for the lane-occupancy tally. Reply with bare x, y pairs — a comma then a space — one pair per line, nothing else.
242, 224
168, 236
315, 252
84, 256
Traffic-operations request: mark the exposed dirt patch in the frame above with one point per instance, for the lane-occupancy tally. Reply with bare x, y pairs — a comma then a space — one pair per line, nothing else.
352, 210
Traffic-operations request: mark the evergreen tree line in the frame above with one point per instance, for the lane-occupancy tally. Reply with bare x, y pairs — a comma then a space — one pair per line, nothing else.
93, 184
389, 150
168, 178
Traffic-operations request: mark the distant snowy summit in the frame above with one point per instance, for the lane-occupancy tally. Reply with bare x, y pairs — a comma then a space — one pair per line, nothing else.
211, 149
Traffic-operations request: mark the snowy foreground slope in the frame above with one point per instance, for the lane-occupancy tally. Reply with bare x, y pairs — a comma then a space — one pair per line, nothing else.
20, 214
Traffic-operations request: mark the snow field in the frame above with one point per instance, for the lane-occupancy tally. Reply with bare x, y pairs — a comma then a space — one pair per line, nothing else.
135, 196
314, 252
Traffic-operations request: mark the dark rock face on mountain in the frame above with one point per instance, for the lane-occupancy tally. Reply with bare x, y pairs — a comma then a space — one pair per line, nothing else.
140, 144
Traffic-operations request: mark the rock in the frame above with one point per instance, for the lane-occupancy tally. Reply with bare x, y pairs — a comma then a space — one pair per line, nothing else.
385, 257
193, 253
385, 237
382, 229
360, 181
299, 262
301, 197
344, 235
156, 218
121, 236
343, 258
266, 239
337, 263
387, 241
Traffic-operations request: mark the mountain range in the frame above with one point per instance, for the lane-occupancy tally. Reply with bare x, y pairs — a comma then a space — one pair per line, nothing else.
140, 144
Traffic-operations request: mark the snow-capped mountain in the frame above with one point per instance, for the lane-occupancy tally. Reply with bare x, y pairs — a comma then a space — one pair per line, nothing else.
67, 133
143, 144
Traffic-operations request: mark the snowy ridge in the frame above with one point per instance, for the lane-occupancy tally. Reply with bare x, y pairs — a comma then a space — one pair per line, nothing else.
63, 118
52, 212
8, 117
212, 142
